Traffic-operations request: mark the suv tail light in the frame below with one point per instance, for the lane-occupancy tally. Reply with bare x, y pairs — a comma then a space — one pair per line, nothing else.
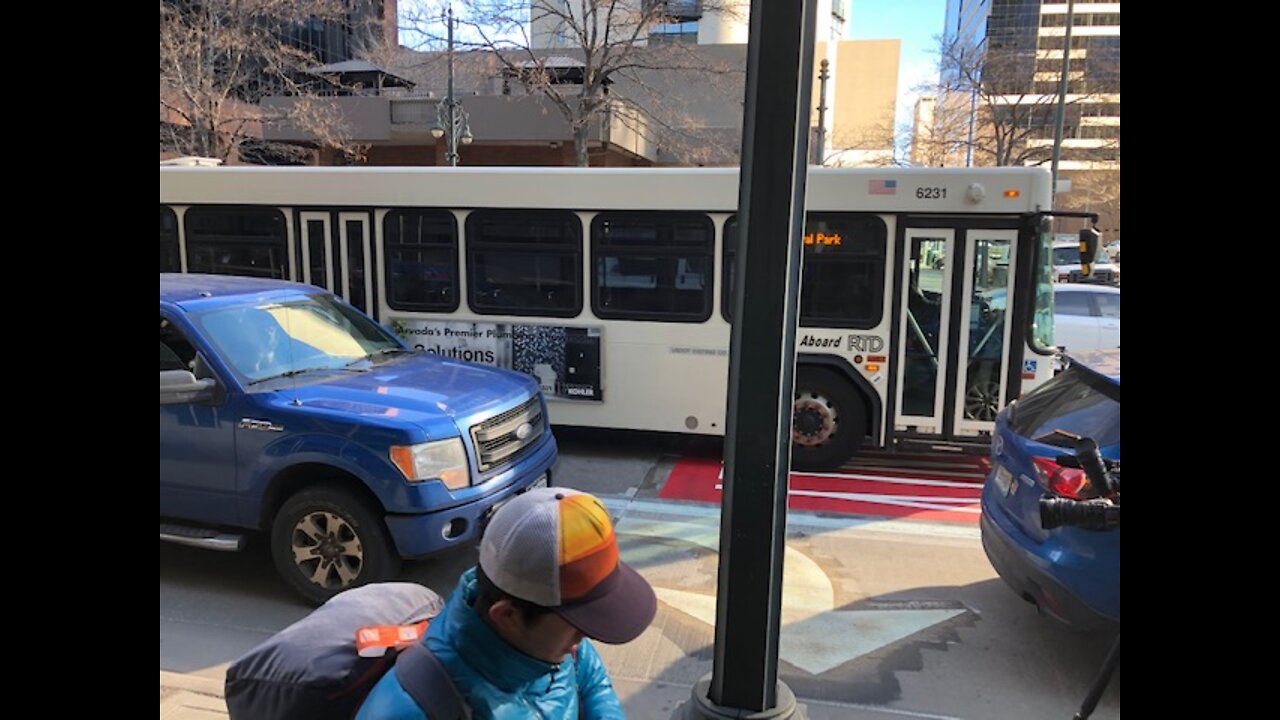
1065, 481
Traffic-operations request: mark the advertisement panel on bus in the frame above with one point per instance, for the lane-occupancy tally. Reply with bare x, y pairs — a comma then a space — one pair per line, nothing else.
564, 360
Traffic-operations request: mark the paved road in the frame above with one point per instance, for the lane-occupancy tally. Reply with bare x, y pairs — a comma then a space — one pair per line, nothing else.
884, 617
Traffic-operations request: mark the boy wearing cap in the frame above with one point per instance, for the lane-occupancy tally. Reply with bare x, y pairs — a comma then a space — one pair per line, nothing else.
512, 636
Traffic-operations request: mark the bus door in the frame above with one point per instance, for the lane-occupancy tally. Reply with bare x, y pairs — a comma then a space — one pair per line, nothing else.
983, 337
355, 250
340, 262
317, 258
923, 340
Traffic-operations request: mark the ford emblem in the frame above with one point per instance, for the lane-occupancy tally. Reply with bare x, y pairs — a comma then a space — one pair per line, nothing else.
524, 431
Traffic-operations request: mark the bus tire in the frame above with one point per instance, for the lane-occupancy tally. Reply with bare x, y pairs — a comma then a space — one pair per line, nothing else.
829, 420
325, 540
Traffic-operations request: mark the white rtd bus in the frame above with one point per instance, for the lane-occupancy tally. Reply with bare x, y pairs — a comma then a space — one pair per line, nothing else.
925, 306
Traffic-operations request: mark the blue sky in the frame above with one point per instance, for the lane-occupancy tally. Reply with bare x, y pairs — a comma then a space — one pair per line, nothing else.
916, 23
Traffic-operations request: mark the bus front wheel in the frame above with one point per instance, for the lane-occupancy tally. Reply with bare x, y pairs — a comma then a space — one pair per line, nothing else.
829, 420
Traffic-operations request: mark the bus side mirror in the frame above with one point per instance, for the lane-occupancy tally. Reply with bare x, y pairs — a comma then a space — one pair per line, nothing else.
1089, 241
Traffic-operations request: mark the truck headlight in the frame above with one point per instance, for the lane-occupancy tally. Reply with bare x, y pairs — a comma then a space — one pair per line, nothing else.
442, 459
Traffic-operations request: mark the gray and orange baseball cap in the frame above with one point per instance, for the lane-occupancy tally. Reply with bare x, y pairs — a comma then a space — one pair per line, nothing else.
555, 547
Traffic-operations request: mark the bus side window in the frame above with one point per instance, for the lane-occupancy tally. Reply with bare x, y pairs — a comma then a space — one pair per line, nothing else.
652, 266
524, 262
844, 270
421, 248
844, 266
237, 241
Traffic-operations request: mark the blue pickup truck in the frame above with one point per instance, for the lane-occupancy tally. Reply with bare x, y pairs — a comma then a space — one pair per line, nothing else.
285, 411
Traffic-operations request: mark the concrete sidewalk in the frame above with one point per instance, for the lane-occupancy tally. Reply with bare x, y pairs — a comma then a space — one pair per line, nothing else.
884, 619
190, 697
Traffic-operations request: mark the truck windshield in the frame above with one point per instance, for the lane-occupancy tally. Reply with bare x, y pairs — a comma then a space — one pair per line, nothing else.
286, 338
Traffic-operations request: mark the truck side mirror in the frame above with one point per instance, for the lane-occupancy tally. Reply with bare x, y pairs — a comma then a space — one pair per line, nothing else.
1089, 241
181, 387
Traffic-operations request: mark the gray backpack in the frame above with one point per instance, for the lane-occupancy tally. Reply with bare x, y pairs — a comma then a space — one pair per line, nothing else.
311, 669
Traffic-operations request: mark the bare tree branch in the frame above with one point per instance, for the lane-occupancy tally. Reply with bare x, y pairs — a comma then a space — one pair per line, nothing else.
610, 38
220, 58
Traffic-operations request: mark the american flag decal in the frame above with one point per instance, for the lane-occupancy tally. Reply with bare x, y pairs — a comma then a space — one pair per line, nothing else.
883, 187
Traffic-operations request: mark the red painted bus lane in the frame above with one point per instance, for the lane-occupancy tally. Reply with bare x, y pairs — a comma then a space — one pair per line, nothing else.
859, 493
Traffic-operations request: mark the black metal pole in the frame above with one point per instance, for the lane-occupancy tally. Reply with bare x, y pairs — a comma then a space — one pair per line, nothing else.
1100, 683
1060, 115
761, 363
824, 75
451, 132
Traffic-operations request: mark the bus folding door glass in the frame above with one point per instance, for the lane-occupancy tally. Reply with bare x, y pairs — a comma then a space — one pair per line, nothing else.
236, 241
925, 328
421, 248
987, 331
355, 264
652, 266
169, 260
524, 262
843, 280
316, 237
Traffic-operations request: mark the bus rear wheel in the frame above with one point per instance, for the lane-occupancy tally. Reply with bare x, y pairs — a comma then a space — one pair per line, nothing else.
828, 420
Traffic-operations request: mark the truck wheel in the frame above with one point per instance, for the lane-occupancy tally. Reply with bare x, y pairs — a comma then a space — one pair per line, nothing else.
325, 540
829, 420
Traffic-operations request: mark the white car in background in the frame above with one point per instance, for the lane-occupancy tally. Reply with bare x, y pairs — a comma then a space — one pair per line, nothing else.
1086, 317
1114, 251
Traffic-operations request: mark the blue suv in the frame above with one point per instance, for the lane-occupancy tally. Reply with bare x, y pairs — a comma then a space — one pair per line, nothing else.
1070, 573
285, 410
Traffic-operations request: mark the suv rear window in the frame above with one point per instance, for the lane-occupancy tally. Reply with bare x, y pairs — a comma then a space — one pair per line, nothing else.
1076, 401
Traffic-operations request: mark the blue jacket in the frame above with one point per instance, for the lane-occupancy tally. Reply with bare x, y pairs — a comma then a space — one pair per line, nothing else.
497, 680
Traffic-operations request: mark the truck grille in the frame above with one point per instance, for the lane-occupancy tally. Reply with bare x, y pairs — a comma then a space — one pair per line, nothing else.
497, 439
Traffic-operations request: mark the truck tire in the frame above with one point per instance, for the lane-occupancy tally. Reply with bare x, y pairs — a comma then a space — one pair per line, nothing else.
829, 420
325, 539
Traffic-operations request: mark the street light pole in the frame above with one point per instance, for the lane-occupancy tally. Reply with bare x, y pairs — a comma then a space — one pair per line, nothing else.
819, 150
1062, 95
451, 119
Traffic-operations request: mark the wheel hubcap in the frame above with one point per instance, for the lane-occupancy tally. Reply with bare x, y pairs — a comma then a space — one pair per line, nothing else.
813, 420
327, 550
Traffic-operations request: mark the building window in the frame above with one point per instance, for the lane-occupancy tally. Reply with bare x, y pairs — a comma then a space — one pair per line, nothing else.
524, 262
681, 32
